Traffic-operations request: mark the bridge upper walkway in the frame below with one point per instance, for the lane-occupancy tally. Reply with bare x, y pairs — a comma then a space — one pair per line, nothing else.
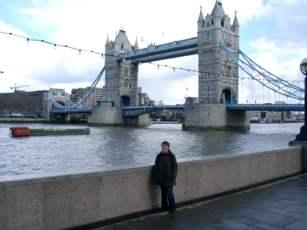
164, 51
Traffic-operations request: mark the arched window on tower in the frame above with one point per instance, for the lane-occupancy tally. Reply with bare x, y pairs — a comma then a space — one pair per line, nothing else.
228, 71
126, 71
126, 83
223, 22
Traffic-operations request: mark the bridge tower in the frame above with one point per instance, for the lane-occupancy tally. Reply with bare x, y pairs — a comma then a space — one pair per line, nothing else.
121, 77
218, 78
121, 86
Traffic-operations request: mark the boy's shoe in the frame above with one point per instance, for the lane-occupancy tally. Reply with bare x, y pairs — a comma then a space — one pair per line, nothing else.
171, 210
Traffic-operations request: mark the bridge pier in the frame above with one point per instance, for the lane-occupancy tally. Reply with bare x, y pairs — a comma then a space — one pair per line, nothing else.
59, 118
108, 115
214, 117
139, 121
105, 115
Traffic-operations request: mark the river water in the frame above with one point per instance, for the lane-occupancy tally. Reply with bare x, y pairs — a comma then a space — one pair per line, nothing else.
113, 147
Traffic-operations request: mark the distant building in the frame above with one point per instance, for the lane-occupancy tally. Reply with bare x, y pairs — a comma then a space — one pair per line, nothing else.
24, 104
272, 117
34, 104
77, 95
299, 116
144, 99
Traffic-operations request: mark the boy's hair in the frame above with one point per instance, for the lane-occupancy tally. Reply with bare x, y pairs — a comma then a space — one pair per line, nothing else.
165, 143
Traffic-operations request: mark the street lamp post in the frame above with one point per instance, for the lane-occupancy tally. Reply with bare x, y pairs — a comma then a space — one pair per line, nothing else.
304, 71
301, 138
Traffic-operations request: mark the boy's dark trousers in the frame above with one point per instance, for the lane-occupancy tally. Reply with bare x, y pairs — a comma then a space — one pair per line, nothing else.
168, 199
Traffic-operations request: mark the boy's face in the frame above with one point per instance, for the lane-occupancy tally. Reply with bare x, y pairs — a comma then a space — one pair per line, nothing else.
164, 148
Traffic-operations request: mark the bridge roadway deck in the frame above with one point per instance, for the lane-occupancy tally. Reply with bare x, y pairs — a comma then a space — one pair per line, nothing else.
281, 205
137, 110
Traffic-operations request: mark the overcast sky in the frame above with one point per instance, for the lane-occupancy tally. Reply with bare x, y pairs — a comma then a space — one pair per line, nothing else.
273, 32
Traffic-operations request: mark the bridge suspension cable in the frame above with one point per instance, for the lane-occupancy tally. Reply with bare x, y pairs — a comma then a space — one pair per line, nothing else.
90, 90
282, 87
268, 74
269, 80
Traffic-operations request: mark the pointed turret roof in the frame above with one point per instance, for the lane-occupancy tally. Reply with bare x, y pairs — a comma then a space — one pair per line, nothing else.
218, 10
108, 39
121, 41
121, 35
136, 44
201, 16
235, 20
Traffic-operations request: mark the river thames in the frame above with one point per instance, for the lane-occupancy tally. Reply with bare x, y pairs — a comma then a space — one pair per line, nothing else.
115, 147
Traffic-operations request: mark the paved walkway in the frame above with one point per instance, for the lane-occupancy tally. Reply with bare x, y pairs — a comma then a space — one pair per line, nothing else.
278, 206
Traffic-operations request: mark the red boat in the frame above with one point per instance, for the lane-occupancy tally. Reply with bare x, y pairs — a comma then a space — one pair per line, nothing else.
20, 132
26, 132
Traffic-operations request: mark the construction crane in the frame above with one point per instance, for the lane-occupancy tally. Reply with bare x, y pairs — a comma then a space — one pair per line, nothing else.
16, 87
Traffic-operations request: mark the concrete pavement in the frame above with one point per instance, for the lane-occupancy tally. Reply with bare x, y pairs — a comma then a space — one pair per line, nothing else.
281, 205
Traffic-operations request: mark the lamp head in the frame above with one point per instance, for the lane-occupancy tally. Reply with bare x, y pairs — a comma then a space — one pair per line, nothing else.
303, 66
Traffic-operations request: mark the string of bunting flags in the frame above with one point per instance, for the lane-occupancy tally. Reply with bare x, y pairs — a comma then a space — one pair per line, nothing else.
81, 50
101, 54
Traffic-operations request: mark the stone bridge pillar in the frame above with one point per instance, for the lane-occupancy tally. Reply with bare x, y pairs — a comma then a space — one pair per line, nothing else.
121, 83
219, 76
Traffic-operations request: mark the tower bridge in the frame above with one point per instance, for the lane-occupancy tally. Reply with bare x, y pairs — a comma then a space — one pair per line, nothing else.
217, 45
218, 77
